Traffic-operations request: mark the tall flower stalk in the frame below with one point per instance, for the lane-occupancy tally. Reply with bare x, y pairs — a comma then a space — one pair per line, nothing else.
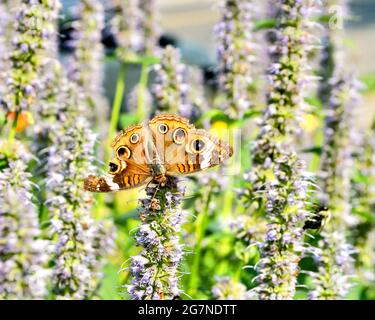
42, 112
135, 25
77, 257
332, 53
33, 23
197, 94
23, 257
236, 54
126, 25
279, 183
170, 89
86, 65
140, 100
155, 270
363, 204
334, 253
23, 254
69, 142
5, 41
150, 26
340, 94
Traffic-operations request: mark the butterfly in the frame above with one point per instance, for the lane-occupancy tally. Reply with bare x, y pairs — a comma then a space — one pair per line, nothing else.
167, 145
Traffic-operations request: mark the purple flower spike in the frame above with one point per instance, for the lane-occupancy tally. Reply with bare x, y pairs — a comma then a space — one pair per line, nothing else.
155, 270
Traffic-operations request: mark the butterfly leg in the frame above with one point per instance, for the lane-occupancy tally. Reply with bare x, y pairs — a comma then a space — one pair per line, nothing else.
148, 184
161, 180
155, 203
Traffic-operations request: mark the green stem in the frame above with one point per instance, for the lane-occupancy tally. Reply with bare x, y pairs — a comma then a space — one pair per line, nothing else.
200, 232
141, 108
228, 200
3, 123
237, 274
13, 131
116, 109
115, 115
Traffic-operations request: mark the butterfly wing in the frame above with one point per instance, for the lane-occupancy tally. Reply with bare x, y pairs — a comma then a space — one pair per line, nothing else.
109, 183
183, 149
203, 150
129, 168
169, 145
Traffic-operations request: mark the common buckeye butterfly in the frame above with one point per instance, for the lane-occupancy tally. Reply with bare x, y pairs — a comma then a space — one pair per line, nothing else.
167, 145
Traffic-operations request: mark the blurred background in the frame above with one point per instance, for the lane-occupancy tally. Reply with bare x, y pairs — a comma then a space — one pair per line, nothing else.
188, 24
191, 23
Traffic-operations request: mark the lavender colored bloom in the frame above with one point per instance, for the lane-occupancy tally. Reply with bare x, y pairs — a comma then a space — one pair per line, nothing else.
25, 254
226, 288
279, 185
46, 112
337, 150
170, 88
68, 163
363, 202
334, 259
236, 54
85, 68
75, 254
339, 90
137, 93
127, 27
150, 26
79, 241
249, 229
49, 73
197, 94
155, 269
332, 52
28, 53
23, 257
5, 44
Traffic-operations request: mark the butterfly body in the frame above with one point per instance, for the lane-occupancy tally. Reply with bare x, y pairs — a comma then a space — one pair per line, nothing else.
167, 145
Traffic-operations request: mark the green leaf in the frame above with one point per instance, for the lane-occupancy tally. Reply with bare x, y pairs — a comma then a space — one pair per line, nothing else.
214, 115
324, 19
366, 214
315, 150
359, 177
264, 24
314, 101
249, 114
133, 59
150, 60
240, 251
128, 119
3, 163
